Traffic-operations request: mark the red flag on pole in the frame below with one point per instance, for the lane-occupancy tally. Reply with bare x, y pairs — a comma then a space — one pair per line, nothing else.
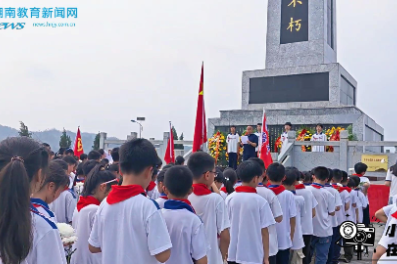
264, 147
170, 153
78, 144
200, 130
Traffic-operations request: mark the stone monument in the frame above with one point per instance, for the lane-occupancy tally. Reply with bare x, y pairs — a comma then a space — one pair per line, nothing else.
302, 82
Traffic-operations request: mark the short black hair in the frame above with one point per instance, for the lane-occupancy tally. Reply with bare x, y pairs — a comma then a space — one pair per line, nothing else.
160, 176
52, 153
248, 170
79, 170
320, 125
199, 163
345, 176
83, 156
104, 162
354, 182
46, 145
94, 155
291, 176
63, 164
259, 124
260, 162
307, 176
360, 168
219, 175
88, 166
70, 160
115, 154
61, 151
179, 160
321, 173
178, 180
136, 155
101, 151
69, 151
275, 172
113, 167
330, 175
232, 126
338, 176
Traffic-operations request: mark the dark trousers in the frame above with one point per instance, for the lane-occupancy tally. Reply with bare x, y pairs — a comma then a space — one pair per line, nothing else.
349, 251
273, 259
334, 249
366, 219
306, 250
232, 262
283, 256
233, 160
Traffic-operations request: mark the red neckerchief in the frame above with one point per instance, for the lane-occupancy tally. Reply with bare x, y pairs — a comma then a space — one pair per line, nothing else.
394, 215
337, 187
151, 186
300, 186
121, 193
277, 190
183, 200
223, 189
268, 184
84, 201
358, 175
200, 189
317, 185
246, 189
346, 189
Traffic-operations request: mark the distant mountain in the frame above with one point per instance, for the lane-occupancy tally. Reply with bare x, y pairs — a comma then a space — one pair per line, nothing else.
52, 137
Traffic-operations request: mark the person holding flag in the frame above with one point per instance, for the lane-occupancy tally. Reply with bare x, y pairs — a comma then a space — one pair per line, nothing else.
169, 156
264, 146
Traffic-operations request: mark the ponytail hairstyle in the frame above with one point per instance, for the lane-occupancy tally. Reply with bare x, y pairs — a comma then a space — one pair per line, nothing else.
56, 174
21, 158
97, 176
230, 179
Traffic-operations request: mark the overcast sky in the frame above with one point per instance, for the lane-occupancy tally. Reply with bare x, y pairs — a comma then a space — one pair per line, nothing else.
142, 58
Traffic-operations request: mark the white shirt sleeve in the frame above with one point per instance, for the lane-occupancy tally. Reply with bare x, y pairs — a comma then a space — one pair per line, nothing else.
199, 243
96, 232
276, 207
331, 203
386, 240
292, 207
347, 197
50, 249
387, 209
388, 175
314, 201
222, 217
267, 218
157, 232
338, 200
363, 200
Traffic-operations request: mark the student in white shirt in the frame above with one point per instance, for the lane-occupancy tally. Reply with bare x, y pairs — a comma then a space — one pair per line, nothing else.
332, 258
391, 181
361, 201
185, 228
96, 188
249, 241
286, 228
230, 180
64, 206
292, 176
151, 190
284, 135
160, 186
72, 164
209, 206
351, 212
310, 212
360, 169
338, 177
26, 235
322, 224
54, 184
129, 226
219, 179
233, 146
275, 207
319, 136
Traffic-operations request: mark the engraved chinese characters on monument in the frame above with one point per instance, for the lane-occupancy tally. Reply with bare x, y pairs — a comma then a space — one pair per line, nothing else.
294, 21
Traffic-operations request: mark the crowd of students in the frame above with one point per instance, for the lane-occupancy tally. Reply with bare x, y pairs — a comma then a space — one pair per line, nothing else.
136, 211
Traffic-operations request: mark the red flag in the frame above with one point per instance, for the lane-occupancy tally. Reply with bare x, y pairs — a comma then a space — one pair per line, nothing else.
200, 130
78, 144
264, 148
170, 153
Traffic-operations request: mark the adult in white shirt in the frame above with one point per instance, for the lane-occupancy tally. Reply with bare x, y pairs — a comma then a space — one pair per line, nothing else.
284, 135
319, 136
391, 181
258, 134
232, 141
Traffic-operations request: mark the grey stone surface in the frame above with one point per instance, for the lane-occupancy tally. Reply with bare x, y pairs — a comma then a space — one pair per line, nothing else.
316, 51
